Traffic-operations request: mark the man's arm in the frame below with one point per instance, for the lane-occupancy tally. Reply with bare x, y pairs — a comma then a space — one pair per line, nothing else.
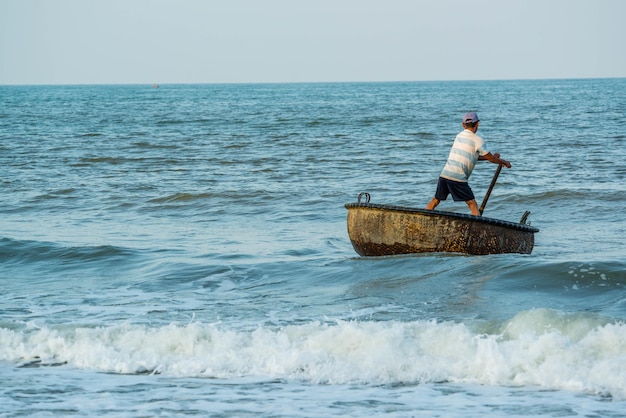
495, 158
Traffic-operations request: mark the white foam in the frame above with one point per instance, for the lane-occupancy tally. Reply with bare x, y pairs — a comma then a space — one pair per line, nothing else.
574, 352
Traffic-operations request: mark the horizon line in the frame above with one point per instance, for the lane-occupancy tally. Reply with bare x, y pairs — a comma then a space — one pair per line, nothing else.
158, 84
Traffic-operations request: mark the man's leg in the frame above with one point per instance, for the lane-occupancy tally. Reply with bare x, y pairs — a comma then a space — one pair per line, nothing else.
473, 207
432, 204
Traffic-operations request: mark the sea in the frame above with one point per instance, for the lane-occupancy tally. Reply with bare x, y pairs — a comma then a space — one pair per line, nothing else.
182, 250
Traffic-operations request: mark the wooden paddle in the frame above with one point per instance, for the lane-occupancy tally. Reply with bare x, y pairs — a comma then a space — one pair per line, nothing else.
493, 183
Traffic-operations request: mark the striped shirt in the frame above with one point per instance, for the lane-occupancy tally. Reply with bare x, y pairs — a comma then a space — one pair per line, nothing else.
463, 156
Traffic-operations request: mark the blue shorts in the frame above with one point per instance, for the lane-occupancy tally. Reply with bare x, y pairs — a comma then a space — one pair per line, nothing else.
460, 191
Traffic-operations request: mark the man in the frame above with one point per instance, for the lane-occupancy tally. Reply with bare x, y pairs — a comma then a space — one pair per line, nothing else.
466, 150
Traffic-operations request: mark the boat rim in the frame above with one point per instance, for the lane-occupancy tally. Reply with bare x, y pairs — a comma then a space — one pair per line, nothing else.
479, 219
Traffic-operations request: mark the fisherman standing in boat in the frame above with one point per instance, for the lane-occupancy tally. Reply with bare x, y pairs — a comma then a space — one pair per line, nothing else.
466, 150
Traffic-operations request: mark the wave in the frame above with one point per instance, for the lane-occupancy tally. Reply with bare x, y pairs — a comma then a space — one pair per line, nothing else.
90, 135
574, 274
182, 197
582, 352
20, 251
105, 160
156, 146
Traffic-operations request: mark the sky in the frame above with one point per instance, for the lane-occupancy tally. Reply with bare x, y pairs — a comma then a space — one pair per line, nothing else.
265, 41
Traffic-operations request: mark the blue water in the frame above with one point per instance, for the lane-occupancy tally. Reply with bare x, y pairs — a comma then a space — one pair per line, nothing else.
182, 250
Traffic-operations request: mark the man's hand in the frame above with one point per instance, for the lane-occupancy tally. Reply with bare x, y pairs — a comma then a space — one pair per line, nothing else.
495, 158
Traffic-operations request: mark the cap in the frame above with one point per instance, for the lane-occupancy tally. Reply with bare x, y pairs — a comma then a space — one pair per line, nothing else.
470, 117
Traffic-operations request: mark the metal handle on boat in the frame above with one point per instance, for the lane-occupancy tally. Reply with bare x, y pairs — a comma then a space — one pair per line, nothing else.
364, 194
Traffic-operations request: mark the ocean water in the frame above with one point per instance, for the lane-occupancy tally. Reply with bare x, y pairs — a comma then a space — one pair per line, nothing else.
182, 250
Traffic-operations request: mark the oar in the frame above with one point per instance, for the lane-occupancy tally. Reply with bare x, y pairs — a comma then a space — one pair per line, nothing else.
493, 183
